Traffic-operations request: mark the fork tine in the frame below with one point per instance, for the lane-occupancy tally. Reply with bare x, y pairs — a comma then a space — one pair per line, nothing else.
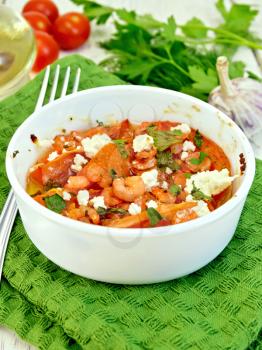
65, 83
77, 79
55, 83
42, 93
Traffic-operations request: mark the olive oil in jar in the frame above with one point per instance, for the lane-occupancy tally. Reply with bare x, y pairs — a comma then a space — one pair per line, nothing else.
17, 51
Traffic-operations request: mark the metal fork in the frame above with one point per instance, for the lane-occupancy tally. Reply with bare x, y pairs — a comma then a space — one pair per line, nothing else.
10, 208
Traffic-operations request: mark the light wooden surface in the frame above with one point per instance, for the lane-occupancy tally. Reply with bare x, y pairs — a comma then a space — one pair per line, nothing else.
182, 10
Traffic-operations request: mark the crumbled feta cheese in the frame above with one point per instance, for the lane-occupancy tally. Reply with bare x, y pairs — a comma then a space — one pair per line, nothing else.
169, 171
184, 155
66, 196
151, 204
78, 162
82, 197
134, 209
95, 143
45, 143
164, 185
52, 156
98, 202
189, 198
188, 146
182, 127
143, 143
150, 179
210, 182
201, 209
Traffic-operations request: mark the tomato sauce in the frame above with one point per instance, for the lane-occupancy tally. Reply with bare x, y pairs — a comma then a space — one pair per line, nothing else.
126, 175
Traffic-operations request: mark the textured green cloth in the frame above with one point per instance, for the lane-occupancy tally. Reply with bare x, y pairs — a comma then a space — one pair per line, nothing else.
218, 307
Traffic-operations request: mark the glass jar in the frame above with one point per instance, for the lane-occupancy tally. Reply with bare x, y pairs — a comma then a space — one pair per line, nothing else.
17, 51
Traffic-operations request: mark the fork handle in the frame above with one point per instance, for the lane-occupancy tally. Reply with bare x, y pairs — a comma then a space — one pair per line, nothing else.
6, 222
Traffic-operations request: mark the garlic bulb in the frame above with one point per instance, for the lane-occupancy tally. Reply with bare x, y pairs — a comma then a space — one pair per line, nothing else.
240, 99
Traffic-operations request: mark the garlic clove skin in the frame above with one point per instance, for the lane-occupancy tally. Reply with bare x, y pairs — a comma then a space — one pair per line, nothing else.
240, 99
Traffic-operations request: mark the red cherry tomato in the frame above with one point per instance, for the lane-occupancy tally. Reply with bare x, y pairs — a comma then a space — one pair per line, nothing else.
71, 30
46, 7
38, 21
47, 50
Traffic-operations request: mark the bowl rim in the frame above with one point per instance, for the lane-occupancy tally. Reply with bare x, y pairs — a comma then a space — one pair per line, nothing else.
177, 229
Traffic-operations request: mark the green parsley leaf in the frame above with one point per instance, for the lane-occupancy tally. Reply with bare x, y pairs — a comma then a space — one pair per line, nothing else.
254, 76
195, 28
198, 195
198, 139
121, 148
103, 212
165, 159
197, 161
238, 19
113, 173
146, 51
220, 5
174, 189
164, 139
169, 29
138, 68
236, 69
204, 82
95, 11
187, 175
143, 21
154, 216
55, 203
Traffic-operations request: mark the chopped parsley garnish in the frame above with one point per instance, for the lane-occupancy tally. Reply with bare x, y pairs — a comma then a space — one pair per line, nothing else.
198, 139
197, 161
174, 189
197, 194
187, 175
55, 203
164, 139
121, 147
99, 123
102, 211
154, 216
165, 159
113, 173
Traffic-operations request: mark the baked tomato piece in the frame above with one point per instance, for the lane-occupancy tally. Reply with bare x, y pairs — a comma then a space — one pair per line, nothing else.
56, 172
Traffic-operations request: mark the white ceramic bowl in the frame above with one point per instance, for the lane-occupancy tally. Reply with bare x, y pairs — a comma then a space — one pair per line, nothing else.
132, 256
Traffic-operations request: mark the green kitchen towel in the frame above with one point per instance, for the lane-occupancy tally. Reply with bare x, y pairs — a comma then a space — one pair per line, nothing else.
218, 307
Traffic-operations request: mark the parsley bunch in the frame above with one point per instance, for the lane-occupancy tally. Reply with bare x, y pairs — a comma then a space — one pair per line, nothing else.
147, 51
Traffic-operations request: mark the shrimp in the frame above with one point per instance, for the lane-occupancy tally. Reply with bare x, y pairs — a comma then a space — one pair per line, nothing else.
99, 167
129, 188
146, 154
109, 198
179, 179
75, 183
163, 196
144, 165
93, 216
